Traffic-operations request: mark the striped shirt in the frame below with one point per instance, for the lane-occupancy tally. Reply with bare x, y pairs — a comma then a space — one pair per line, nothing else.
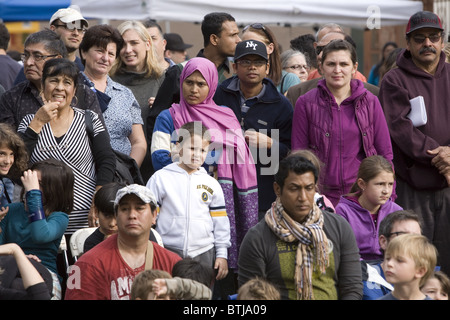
74, 150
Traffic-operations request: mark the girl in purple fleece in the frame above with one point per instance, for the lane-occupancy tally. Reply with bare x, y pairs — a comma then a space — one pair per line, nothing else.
340, 121
369, 202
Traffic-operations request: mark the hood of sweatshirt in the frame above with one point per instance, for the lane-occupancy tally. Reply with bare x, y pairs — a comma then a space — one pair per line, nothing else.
405, 62
352, 202
174, 167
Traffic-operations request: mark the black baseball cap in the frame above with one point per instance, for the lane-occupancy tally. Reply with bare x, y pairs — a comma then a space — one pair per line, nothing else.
175, 42
423, 19
248, 47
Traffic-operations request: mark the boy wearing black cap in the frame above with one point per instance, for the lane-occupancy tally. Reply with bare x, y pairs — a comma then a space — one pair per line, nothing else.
264, 113
422, 153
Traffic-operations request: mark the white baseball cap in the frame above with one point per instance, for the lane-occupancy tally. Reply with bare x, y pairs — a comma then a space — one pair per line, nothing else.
68, 15
142, 192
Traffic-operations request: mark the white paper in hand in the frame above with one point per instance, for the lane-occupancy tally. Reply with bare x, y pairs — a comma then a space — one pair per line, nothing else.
418, 113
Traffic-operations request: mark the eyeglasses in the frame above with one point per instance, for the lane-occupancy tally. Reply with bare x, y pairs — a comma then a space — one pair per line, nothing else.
71, 28
36, 56
421, 38
248, 63
299, 66
319, 49
398, 233
259, 26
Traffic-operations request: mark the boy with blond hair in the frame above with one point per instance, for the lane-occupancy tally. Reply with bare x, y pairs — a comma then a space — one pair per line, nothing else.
258, 289
155, 284
409, 261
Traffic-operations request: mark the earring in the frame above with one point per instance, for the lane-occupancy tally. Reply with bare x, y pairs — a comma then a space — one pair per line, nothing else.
76, 100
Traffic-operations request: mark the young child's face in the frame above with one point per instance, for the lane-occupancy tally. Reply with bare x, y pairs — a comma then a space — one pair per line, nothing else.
193, 153
108, 224
378, 190
6, 159
400, 268
433, 289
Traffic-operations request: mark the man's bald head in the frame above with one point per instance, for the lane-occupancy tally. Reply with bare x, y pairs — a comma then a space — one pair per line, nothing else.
326, 39
327, 28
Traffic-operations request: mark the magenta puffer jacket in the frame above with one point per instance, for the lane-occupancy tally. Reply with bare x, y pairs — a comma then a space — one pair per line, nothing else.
340, 135
364, 227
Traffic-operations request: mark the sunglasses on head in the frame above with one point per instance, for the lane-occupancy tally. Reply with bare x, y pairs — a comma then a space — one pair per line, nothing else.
259, 26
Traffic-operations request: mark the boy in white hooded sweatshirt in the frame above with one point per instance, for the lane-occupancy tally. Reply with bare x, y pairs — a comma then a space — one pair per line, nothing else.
192, 218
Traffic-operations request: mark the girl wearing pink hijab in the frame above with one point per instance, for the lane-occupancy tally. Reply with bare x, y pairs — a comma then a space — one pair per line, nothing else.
230, 160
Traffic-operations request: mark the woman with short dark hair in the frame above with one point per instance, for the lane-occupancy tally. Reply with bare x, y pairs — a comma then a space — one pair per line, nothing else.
58, 131
99, 50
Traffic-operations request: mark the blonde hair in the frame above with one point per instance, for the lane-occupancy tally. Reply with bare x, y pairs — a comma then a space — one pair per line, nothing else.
153, 69
419, 248
142, 283
258, 289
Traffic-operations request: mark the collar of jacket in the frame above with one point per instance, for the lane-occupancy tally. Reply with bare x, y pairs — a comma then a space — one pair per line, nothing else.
271, 93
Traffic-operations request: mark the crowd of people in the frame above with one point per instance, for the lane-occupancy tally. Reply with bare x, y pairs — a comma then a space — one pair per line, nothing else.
267, 174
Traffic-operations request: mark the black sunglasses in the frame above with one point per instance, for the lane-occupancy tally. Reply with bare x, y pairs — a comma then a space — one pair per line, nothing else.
421, 38
398, 233
319, 49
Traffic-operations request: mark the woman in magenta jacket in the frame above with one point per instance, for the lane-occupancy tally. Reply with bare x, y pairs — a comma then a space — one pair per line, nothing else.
340, 121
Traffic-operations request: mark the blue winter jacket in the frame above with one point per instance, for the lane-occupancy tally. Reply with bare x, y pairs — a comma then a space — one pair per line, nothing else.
272, 115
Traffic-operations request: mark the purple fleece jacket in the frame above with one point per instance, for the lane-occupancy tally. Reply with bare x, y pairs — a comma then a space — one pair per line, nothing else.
366, 232
341, 136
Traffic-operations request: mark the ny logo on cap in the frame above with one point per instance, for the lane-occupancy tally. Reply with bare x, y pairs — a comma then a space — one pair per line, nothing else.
250, 44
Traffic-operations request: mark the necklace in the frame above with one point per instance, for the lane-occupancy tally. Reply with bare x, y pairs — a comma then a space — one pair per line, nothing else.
61, 124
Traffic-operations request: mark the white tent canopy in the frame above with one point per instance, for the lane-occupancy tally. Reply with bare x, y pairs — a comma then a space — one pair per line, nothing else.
351, 13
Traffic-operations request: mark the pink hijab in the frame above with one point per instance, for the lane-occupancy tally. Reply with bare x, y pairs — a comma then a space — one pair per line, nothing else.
220, 120
236, 168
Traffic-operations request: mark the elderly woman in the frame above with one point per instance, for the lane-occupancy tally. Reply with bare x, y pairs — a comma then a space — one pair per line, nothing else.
138, 69
340, 121
295, 62
99, 49
58, 131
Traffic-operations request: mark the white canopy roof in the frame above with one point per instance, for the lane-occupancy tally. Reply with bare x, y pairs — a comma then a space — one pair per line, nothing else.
351, 13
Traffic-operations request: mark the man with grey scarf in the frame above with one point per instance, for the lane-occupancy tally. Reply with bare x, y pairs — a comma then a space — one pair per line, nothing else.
307, 253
